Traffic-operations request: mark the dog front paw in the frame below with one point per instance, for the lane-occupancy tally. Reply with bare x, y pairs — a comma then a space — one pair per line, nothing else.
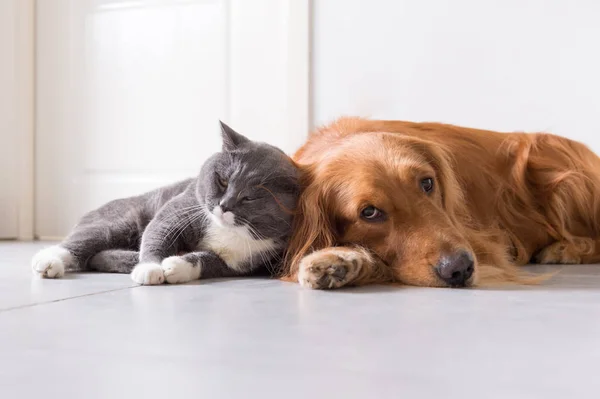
564, 253
329, 268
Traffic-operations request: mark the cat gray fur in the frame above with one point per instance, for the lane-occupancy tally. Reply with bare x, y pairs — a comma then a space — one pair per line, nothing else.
234, 219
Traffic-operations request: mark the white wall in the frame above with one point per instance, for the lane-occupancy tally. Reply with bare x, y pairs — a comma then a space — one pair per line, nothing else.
499, 64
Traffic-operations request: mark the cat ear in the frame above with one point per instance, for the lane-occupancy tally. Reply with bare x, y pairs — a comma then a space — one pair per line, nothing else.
231, 138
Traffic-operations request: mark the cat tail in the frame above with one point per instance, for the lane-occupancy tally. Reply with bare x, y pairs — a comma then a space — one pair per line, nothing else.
114, 261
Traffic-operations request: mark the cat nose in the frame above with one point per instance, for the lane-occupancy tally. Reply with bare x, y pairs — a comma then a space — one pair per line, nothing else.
227, 205
225, 209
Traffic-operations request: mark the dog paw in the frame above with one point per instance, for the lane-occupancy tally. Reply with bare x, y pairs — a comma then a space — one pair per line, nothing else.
51, 262
329, 268
560, 253
177, 270
148, 274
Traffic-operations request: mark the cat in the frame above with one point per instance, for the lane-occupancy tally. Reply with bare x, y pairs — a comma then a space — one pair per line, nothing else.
234, 219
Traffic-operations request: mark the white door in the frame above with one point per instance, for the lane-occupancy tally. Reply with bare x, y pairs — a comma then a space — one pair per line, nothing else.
129, 93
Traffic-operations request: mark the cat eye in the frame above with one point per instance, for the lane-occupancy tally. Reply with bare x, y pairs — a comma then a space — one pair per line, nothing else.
372, 214
248, 199
222, 182
427, 185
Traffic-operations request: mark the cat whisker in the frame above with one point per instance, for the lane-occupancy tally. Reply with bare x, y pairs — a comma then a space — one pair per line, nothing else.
177, 225
269, 254
187, 218
183, 216
177, 212
185, 226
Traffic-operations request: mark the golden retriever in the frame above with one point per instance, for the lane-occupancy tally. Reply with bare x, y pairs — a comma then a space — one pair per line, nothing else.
432, 204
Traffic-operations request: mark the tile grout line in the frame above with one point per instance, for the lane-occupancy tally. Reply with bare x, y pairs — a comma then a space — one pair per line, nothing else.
30, 305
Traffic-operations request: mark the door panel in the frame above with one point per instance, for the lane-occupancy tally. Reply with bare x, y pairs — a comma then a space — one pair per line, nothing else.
130, 93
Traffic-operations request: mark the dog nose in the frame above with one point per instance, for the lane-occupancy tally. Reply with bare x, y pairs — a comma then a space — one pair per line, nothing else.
456, 268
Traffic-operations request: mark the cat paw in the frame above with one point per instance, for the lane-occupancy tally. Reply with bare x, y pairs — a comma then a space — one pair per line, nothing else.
177, 270
329, 268
51, 262
148, 274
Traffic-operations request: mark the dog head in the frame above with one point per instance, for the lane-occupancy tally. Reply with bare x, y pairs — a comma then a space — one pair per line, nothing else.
395, 195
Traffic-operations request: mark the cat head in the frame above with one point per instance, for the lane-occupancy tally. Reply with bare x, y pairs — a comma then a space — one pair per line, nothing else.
250, 184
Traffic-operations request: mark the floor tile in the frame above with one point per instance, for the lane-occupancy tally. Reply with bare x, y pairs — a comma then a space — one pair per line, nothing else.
18, 288
260, 338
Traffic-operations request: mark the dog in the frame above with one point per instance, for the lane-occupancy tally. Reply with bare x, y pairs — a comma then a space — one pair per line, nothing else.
438, 205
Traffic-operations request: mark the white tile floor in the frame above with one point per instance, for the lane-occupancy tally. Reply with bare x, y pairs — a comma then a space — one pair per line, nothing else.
100, 336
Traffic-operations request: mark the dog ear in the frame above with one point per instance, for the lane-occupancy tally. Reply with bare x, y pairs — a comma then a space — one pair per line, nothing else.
313, 227
452, 194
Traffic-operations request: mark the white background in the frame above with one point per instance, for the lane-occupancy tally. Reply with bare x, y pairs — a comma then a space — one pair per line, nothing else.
128, 92
499, 64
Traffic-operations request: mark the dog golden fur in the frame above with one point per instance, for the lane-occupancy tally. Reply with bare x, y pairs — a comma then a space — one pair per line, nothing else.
432, 204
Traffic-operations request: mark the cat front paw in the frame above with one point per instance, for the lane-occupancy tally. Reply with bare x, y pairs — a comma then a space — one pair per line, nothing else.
51, 262
148, 274
177, 270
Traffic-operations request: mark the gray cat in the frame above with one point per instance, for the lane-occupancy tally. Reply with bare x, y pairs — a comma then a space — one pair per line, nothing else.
234, 219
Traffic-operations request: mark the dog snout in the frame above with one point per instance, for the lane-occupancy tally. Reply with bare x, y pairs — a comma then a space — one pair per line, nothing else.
455, 269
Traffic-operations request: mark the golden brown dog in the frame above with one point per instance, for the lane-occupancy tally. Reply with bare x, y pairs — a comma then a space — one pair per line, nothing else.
439, 205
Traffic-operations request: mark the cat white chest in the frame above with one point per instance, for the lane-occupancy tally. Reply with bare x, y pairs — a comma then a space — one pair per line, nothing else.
234, 244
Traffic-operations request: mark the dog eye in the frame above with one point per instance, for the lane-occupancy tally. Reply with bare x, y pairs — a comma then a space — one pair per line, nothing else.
427, 185
372, 214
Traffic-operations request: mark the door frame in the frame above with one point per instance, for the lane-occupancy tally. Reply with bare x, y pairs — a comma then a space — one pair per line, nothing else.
299, 66
25, 58
23, 122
